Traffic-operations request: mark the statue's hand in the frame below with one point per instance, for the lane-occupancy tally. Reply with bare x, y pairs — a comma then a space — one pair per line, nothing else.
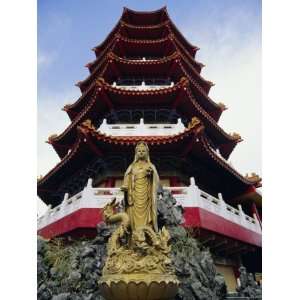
149, 171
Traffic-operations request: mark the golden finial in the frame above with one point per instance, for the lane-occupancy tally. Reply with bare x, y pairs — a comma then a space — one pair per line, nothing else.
40, 177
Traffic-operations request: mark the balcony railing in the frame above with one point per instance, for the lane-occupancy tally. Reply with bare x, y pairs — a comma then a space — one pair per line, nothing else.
137, 80
89, 197
192, 196
142, 86
143, 58
188, 196
141, 129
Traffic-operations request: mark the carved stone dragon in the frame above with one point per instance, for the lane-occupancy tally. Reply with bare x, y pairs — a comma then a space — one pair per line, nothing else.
111, 217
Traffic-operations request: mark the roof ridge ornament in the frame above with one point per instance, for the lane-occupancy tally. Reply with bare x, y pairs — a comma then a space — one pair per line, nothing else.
111, 55
194, 122
253, 177
236, 136
51, 138
222, 106
100, 81
184, 81
88, 124
66, 107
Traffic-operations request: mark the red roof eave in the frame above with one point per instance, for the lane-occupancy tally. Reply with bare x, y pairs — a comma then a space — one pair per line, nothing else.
88, 136
181, 85
85, 133
171, 37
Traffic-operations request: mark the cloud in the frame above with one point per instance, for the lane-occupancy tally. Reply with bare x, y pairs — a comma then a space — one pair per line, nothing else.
231, 51
45, 59
51, 120
52, 38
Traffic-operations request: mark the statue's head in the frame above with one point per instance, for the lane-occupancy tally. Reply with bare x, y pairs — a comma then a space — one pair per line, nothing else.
141, 151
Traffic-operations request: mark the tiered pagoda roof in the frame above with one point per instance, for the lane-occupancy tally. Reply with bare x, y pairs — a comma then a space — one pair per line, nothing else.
144, 44
136, 48
149, 25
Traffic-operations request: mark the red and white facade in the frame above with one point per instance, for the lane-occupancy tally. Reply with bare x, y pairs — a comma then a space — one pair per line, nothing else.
202, 210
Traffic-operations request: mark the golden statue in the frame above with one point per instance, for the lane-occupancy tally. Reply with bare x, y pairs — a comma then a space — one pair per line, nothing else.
140, 186
138, 265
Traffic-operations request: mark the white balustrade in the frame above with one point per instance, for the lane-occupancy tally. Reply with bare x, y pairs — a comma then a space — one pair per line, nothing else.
144, 58
147, 59
187, 196
89, 197
141, 129
142, 87
192, 196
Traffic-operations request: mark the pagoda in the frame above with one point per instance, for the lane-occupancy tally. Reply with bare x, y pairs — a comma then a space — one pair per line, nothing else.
145, 84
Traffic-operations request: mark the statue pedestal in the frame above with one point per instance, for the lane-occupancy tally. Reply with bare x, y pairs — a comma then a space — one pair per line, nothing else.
138, 286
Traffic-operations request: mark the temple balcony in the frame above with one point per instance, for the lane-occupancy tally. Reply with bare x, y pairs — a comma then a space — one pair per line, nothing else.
137, 84
141, 129
143, 58
202, 210
142, 87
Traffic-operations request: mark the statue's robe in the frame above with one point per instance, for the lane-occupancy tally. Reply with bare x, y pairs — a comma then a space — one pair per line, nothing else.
141, 196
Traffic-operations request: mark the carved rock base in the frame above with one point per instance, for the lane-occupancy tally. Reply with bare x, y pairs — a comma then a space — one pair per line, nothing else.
138, 286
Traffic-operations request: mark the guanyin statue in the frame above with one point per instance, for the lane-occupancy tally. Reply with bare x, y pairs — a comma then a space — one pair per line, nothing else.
140, 187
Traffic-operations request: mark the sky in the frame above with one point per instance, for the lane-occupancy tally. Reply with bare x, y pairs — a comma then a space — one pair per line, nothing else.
228, 33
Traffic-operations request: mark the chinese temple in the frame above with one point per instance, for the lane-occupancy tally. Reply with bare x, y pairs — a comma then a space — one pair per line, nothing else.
145, 84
